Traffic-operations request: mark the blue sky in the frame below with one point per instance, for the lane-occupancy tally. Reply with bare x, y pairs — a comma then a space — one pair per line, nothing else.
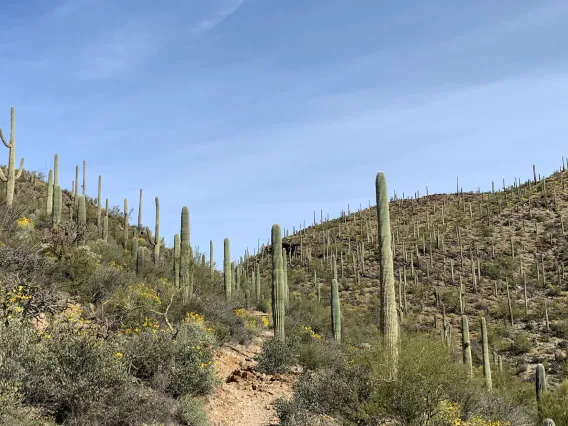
257, 112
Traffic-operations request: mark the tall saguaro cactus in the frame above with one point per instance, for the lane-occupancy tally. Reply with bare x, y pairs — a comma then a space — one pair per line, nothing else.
56, 170
84, 178
540, 383
335, 311
57, 202
185, 253
486, 362
278, 285
10, 175
155, 240
227, 268
466, 346
388, 314
49, 206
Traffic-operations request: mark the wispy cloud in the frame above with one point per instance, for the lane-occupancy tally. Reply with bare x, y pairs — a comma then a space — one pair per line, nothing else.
227, 9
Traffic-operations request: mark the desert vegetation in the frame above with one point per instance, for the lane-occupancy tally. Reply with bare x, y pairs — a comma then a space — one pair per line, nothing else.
444, 309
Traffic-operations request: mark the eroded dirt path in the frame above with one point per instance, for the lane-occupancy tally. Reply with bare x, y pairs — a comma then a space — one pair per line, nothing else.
245, 397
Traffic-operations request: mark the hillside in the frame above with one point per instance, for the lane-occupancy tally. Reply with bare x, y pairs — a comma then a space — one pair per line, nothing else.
92, 301
513, 235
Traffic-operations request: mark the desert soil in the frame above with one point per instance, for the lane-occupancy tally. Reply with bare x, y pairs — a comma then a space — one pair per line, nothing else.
245, 397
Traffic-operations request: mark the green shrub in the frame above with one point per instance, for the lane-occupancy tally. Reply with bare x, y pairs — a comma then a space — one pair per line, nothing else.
191, 413
553, 404
76, 377
521, 344
178, 367
275, 357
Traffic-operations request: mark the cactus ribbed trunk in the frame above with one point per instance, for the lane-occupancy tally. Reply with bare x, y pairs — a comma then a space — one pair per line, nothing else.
85, 178
11, 175
49, 206
227, 269
540, 383
56, 170
57, 202
335, 311
278, 285
466, 346
388, 314
486, 362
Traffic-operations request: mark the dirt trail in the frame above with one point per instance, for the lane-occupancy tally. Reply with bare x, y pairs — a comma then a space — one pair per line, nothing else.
245, 397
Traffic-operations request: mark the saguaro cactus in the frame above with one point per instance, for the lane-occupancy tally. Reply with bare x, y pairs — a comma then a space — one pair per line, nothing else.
278, 287
335, 311
466, 346
227, 268
155, 240
56, 170
57, 202
540, 382
85, 178
185, 253
49, 206
10, 175
486, 361
388, 314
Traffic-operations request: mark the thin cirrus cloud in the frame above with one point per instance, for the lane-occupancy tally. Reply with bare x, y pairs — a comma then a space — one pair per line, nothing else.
260, 112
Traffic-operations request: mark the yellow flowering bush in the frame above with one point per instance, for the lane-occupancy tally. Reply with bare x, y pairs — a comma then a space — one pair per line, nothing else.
450, 414
311, 333
14, 302
24, 223
252, 322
